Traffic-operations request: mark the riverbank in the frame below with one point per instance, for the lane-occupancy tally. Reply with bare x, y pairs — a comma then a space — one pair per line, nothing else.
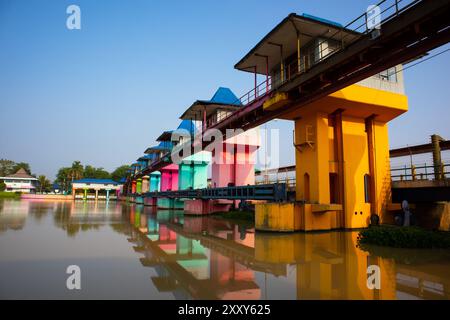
47, 196
404, 237
9, 195
247, 217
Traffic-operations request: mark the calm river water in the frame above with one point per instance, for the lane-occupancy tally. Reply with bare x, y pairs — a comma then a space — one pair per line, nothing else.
134, 252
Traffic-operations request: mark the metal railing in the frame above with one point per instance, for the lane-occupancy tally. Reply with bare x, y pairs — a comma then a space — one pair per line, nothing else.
355, 29
270, 192
420, 172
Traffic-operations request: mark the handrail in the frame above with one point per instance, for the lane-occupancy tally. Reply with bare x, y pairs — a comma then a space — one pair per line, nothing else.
411, 172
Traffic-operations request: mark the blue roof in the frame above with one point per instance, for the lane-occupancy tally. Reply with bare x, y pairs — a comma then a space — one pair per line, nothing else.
98, 181
187, 125
225, 96
145, 157
310, 16
163, 145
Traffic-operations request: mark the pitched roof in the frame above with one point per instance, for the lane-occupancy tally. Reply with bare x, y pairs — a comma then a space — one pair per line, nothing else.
225, 96
21, 173
223, 99
285, 34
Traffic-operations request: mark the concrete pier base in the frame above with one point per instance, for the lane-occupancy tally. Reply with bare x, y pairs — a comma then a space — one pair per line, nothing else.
168, 203
204, 207
150, 201
139, 200
296, 216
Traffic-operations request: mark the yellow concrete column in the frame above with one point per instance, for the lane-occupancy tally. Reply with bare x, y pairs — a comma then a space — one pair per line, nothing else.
312, 158
382, 170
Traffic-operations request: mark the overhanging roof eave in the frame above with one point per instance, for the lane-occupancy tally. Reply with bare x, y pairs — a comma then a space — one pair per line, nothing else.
244, 65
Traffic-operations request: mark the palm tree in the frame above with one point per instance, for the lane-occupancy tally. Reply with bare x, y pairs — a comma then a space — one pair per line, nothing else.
76, 171
44, 184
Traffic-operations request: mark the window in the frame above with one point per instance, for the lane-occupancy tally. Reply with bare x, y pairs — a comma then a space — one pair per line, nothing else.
388, 75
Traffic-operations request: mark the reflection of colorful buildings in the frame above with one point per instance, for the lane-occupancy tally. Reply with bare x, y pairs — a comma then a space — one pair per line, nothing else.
186, 266
206, 258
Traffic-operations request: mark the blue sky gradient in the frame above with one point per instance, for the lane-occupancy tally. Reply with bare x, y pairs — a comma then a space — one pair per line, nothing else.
102, 94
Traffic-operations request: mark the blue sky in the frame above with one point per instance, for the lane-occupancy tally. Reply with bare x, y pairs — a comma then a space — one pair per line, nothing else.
102, 94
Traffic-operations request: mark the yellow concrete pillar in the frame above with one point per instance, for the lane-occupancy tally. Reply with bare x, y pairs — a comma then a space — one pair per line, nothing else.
312, 158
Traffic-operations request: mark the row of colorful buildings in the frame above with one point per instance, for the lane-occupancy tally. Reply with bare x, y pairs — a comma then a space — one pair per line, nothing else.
340, 140
230, 163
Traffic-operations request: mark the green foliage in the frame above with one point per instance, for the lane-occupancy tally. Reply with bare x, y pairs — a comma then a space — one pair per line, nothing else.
63, 178
404, 237
66, 175
44, 184
119, 173
76, 171
95, 173
22, 165
9, 195
6, 167
2, 186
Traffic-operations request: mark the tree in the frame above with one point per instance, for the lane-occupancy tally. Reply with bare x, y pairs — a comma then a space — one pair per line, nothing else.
44, 184
76, 171
2, 186
101, 173
22, 165
95, 173
63, 178
120, 172
6, 167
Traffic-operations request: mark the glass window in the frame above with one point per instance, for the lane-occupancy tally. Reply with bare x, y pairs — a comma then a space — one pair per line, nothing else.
389, 75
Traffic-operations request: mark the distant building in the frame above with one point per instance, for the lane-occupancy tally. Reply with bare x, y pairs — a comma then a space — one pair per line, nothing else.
20, 181
56, 188
95, 189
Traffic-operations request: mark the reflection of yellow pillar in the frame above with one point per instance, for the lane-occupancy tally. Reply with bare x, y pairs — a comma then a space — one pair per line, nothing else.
96, 194
388, 279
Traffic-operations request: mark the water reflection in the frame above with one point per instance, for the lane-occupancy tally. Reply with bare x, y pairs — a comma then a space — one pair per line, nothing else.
207, 258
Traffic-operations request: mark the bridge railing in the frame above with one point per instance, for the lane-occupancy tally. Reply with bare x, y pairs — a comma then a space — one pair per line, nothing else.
420, 172
289, 181
270, 192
